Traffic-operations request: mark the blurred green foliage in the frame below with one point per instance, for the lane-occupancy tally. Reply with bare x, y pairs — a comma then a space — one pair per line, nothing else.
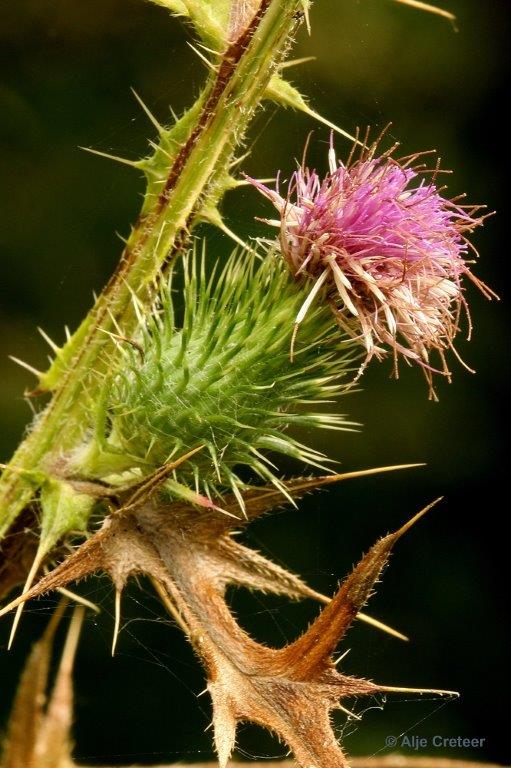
67, 69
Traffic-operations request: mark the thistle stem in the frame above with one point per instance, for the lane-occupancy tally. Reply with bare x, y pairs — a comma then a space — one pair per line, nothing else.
195, 181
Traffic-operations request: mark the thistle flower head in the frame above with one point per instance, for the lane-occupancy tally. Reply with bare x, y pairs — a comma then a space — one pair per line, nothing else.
385, 248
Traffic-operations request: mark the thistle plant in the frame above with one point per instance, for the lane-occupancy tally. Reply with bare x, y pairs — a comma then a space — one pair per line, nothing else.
177, 398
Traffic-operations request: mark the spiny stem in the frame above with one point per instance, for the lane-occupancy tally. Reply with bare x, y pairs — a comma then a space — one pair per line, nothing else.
194, 179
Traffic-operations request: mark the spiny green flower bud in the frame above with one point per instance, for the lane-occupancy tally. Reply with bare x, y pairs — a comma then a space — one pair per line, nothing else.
222, 379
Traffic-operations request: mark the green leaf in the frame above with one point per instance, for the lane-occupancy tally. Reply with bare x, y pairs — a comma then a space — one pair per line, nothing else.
62, 510
284, 93
210, 18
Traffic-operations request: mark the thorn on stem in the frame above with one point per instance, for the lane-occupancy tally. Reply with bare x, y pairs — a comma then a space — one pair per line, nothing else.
148, 112
54, 347
26, 366
115, 158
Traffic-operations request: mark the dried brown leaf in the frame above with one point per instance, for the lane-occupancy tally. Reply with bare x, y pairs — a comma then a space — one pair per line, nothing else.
38, 734
192, 557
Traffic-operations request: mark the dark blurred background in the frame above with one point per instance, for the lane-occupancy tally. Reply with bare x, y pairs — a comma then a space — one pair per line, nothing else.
67, 69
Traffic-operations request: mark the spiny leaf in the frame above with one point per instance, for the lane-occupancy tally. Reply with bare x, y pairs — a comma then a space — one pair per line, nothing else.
211, 215
240, 565
284, 93
54, 745
290, 690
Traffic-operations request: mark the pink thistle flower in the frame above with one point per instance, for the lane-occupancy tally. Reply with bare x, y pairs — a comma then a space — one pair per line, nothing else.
385, 248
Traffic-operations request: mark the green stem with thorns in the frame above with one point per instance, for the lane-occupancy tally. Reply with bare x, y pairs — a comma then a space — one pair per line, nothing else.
194, 181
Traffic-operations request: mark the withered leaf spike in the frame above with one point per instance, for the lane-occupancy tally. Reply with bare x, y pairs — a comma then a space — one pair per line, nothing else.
224, 724
79, 599
315, 646
249, 568
259, 500
54, 743
406, 527
117, 620
28, 583
27, 711
377, 624
348, 712
171, 608
420, 691
86, 560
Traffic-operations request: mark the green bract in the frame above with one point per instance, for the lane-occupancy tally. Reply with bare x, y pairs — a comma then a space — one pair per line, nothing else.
221, 378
